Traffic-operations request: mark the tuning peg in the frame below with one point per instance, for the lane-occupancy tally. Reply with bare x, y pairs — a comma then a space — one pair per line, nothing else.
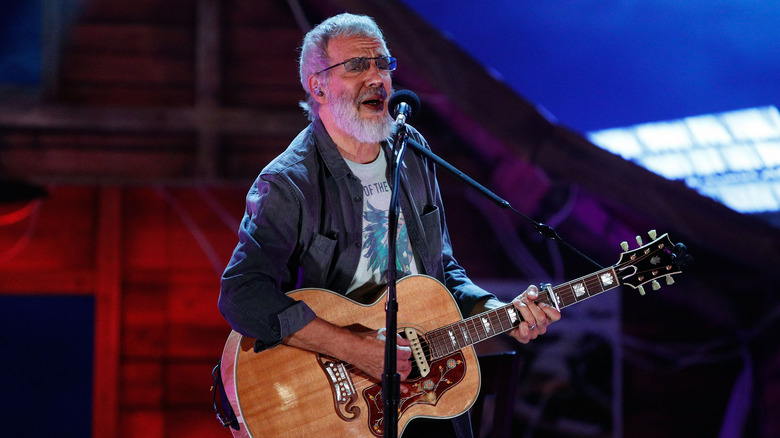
639, 240
681, 256
669, 280
641, 290
656, 285
624, 245
653, 234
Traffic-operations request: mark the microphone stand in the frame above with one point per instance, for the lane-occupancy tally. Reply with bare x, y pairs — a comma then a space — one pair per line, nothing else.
391, 380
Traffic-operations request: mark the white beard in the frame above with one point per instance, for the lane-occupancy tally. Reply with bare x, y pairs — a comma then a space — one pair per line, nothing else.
347, 117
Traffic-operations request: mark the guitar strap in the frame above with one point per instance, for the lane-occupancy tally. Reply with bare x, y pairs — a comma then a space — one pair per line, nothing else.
227, 417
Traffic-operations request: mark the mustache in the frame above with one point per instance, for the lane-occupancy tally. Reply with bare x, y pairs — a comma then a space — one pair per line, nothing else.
371, 94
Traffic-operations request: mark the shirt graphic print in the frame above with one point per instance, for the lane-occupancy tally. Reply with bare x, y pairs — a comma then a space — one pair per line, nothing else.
372, 268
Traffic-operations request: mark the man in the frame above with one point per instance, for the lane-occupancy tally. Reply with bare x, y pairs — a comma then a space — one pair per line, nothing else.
317, 216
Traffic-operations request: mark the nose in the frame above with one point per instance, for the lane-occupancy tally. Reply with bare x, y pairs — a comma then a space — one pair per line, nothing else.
374, 76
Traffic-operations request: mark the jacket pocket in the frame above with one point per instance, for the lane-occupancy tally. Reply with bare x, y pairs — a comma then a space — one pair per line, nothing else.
318, 258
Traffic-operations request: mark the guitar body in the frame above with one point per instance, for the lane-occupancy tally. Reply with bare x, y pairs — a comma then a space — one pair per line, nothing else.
287, 391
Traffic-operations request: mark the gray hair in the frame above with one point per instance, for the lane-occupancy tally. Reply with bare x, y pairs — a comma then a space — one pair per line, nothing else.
314, 51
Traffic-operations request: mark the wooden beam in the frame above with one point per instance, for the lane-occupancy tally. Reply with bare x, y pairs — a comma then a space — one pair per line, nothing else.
59, 282
77, 145
115, 119
108, 298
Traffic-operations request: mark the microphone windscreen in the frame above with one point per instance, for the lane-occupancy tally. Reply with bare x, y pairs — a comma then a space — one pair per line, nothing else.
407, 96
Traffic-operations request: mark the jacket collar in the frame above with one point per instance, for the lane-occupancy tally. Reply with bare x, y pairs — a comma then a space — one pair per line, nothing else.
328, 151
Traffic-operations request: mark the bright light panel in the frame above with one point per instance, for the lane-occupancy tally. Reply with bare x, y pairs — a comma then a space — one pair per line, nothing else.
733, 157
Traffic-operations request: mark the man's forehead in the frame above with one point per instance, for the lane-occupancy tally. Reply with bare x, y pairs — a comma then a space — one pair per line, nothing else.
353, 46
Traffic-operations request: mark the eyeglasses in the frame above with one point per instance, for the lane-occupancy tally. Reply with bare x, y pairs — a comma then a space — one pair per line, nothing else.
357, 65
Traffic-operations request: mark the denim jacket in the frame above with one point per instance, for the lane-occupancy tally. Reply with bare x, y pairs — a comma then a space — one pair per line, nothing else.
303, 228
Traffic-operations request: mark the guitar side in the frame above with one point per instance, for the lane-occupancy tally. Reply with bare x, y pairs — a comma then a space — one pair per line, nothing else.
283, 391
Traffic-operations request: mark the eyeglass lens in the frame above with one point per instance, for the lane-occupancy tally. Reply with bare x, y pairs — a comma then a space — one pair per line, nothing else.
363, 64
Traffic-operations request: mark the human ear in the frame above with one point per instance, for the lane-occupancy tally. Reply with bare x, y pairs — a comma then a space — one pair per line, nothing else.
316, 89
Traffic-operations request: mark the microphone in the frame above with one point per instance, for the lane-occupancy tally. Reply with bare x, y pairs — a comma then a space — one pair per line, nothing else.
404, 105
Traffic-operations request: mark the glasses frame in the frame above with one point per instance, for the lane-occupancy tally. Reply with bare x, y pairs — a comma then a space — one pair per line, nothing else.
391, 61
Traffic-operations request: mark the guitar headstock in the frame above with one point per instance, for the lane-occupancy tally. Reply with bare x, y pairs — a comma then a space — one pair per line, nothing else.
647, 264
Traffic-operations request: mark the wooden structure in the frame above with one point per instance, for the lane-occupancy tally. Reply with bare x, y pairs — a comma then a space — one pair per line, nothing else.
154, 116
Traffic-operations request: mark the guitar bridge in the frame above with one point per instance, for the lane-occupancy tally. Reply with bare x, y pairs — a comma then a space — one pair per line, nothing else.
344, 394
418, 351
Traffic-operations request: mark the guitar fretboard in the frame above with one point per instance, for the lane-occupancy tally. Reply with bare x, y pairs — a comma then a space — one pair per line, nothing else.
451, 338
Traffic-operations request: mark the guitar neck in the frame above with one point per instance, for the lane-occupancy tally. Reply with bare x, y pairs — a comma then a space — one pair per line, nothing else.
453, 337
580, 289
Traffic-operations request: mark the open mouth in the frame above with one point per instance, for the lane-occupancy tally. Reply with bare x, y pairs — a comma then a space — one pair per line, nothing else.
376, 104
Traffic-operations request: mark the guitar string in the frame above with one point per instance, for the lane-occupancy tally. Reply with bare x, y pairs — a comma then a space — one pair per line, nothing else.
436, 343
436, 346
352, 370
434, 340
592, 284
426, 346
565, 292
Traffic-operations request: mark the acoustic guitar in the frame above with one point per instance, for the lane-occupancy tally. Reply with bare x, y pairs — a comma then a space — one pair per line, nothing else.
288, 392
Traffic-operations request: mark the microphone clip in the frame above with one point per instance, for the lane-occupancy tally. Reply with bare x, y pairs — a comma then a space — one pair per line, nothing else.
402, 109
403, 105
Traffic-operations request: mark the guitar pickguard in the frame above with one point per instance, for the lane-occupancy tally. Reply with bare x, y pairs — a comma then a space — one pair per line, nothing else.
444, 374
344, 394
